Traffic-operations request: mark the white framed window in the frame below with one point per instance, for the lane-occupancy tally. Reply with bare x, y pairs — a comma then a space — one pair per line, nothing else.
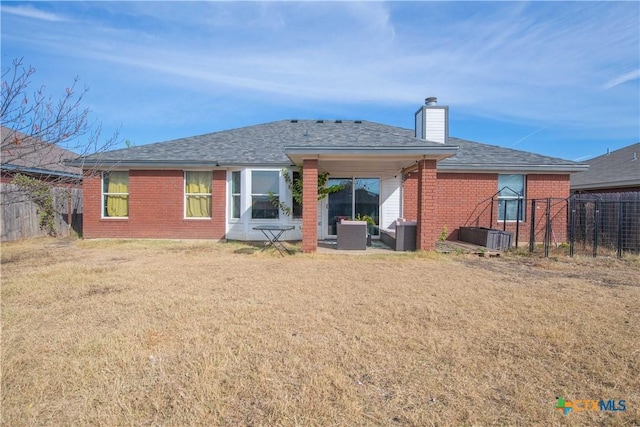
197, 194
115, 194
265, 187
510, 190
236, 194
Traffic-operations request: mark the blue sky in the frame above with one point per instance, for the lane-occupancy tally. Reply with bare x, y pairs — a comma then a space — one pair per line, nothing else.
556, 78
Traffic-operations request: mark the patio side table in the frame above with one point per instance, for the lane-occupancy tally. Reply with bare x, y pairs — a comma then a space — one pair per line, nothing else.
273, 233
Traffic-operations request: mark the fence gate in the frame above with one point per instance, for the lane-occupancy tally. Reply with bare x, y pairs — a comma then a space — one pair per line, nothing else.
548, 224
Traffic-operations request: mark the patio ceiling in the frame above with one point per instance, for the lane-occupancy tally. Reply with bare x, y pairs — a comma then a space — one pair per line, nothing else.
358, 165
348, 160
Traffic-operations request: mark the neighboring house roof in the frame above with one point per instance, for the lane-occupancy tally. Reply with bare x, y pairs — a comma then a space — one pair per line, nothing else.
276, 143
22, 153
617, 169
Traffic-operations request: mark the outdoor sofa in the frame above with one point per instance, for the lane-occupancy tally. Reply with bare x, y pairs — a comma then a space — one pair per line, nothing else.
401, 236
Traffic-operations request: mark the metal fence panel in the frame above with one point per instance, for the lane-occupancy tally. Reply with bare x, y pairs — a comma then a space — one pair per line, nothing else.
583, 224
605, 224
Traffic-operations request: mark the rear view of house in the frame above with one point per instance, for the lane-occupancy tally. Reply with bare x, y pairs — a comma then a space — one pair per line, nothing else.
220, 185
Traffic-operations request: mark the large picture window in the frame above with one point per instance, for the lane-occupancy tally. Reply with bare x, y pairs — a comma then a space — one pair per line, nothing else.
510, 189
236, 192
115, 194
197, 193
264, 184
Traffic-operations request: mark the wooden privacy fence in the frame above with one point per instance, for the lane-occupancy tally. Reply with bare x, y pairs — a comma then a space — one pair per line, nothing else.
21, 217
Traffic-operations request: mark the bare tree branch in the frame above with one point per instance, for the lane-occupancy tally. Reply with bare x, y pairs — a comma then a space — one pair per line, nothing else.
40, 132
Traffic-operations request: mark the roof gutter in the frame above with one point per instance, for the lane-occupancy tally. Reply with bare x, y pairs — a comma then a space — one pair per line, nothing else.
40, 171
502, 167
164, 164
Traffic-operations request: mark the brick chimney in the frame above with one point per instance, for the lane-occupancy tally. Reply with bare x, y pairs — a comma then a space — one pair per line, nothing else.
432, 121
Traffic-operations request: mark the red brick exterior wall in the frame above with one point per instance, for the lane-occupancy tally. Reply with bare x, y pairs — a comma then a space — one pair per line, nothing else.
156, 208
309, 205
410, 196
426, 204
451, 200
464, 199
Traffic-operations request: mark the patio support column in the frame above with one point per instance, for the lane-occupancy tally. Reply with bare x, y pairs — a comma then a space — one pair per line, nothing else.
309, 205
427, 234
219, 203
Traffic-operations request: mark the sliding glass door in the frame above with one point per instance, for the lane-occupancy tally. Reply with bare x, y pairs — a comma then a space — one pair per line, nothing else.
358, 199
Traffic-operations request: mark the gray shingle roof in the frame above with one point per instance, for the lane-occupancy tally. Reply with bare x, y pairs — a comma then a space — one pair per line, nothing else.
477, 156
264, 144
614, 170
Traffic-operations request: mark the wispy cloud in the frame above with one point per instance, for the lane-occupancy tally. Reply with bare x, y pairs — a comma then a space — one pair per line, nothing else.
499, 61
627, 77
33, 13
539, 64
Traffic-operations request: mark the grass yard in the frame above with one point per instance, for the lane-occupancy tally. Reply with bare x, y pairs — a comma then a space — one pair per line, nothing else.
199, 333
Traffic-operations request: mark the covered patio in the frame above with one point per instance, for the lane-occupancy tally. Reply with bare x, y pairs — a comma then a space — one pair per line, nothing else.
387, 164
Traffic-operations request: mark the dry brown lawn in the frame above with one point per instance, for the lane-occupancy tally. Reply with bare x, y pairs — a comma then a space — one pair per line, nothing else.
199, 333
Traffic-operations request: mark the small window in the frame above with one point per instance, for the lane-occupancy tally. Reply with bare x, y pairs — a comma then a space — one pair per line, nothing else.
197, 192
236, 185
510, 189
296, 206
115, 194
264, 188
